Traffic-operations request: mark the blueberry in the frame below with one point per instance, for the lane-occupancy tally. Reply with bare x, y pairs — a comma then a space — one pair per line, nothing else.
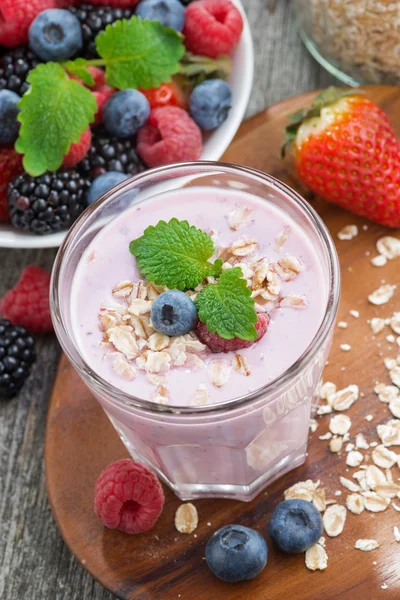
173, 313
125, 113
236, 553
9, 110
210, 103
295, 526
170, 13
103, 183
55, 35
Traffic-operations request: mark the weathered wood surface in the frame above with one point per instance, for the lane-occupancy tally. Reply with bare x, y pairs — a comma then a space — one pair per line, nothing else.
34, 562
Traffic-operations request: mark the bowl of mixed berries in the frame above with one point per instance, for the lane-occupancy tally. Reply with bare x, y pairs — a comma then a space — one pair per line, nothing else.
94, 93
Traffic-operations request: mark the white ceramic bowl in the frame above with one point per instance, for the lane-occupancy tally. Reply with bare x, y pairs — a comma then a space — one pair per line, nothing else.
215, 143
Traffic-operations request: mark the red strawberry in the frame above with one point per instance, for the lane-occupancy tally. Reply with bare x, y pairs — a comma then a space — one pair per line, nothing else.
16, 17
346, 151
168, 94
218, 344
78, 151
27, 303
10, 167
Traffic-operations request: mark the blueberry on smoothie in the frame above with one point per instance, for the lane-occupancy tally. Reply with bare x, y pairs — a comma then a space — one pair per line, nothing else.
9, 126
125, 113
173, 313
55, 34
236, 553
295, 526
170, 13
103, 183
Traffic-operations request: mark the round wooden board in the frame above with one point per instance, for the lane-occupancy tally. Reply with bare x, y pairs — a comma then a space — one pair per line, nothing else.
166, 565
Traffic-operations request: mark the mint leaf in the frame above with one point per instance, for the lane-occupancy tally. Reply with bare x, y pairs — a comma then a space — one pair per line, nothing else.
227, 307
194, 65
175, 254
139, 54
55, 111
78, 68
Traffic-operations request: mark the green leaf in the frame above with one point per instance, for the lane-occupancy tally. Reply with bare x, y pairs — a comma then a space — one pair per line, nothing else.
194, 65
139, 54
227, 307
78, 68
175, 254
55, 111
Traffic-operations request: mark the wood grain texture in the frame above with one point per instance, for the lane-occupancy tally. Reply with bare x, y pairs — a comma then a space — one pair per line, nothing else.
166, 565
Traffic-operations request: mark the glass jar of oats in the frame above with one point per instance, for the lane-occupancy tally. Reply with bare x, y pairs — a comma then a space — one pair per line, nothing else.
358, 41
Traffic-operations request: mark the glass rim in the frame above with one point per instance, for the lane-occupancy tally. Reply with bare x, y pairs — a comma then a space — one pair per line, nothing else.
127, 401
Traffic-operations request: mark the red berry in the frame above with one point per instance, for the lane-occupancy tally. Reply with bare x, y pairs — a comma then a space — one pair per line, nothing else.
115, 3
169, 136
78, 150
128, 496
218, 344
16, 17
102, 94
168, 94
212, 27
27, 303
10, 167
99, 77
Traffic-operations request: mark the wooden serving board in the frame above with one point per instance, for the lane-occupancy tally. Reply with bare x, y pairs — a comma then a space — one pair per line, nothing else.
166, 565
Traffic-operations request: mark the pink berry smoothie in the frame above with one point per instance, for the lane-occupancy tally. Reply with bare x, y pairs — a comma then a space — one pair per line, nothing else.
107, 262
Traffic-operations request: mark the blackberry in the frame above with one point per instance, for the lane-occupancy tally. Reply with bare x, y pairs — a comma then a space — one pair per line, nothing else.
93, 20
15, 65
48, 203
17, 354
109, 153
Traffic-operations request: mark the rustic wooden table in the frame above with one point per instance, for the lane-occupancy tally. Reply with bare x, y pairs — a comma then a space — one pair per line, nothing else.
34, 561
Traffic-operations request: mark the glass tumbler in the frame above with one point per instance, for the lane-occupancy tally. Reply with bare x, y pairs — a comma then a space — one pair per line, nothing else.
231, 449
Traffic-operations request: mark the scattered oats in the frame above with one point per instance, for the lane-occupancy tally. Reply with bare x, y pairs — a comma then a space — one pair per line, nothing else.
324, 409
377, 325
244, 246
157, 362
159, 341
395, 375
288, 268
194, 362
303, 490
241, 365
161, 395
354, 459
124, 340
155, 379
338, 493
343, 399
389, 247
123, 289
374, 477
384, 586
389, 363
342, 325
293, 300
355, 313
374, 502
319, 500
313, 425
334, 519
379, 261
345, 347
355, 503
201, 396
239, 217
361, 442
348, 232
186, 518
394, 407
327, 389
390, 338
383, 457
123, 368
281, 238
369, 418
219, 371
366, 545
336, 444
349, 485
389, 433
349, 447
382, 295
326, 436
340, 424
395, 322
396, 507
316, 558
140, 307
373, 444
388, 490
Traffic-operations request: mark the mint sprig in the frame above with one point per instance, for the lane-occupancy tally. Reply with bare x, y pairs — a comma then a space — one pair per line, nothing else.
175, 254
79, 68
227, 307
54, 112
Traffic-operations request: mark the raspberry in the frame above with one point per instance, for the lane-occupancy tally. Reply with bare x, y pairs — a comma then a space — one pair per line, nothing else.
78, 151
219, 344
10, 167
102, 95
99, 77
169, 136
168, 94
114, 3
27, 303
16, 17
128, 496
212, 27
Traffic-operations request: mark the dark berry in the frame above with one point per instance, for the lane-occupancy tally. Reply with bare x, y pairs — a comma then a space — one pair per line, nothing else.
15, 65
108, 153
9, 126
210, 103
125, 112
94, 19
103, 183
236, 553
17, 354
49, 203
173, 313
295, 526
170, 13
55, 34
